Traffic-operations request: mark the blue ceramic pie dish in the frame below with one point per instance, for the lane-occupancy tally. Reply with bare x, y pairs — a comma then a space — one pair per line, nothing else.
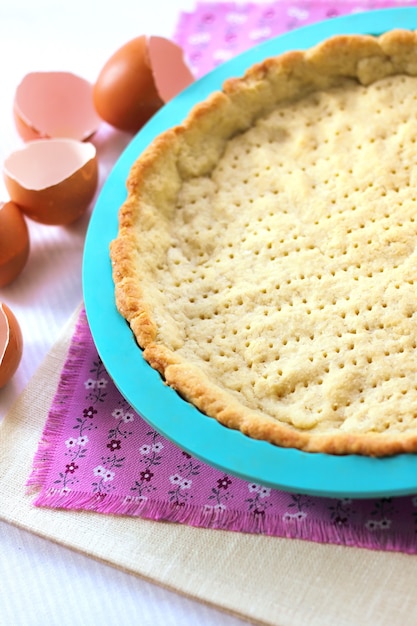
257, 461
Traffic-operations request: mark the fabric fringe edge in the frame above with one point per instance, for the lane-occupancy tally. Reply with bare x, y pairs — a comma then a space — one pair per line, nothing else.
230, 520
55, 422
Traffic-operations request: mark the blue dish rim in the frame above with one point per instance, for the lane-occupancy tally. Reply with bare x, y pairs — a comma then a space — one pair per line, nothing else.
290, 470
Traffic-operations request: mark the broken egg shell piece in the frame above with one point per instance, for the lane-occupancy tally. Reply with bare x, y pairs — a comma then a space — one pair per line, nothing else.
14, 242
171, 73
53, 182
55, 104
124, 93
138, 79
11, 344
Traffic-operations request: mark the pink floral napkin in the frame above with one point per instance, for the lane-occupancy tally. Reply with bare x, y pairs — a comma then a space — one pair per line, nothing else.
218, 31
96, 453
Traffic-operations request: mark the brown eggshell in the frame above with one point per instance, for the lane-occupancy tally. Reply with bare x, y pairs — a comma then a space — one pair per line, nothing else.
11, 344
55, 104
137, 80
54, 181
14, 242
124, 93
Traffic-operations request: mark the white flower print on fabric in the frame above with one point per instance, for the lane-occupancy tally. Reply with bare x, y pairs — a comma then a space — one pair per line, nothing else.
383, 524
128, 417
258, 503
175, 479
99, 471
135, 499
298, 516
263, 492
109, 475
105, 476
218, 508
75, 450
104, 473
123, 416
150, 463
182, 480
96, 387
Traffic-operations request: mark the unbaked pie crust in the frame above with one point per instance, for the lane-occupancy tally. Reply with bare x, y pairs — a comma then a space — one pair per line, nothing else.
266, 258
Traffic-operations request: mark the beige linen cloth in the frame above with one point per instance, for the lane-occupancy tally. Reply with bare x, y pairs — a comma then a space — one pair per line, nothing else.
266, 580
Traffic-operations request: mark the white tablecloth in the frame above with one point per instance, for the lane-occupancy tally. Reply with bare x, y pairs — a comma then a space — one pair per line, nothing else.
40, 582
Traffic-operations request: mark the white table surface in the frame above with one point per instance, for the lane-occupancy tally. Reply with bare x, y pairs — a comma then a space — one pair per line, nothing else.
40, 582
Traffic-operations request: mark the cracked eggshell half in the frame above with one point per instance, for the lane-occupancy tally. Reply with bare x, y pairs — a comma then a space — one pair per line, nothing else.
170, 72
53, 182
11, 344
14, 242
55, 104
138, 79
